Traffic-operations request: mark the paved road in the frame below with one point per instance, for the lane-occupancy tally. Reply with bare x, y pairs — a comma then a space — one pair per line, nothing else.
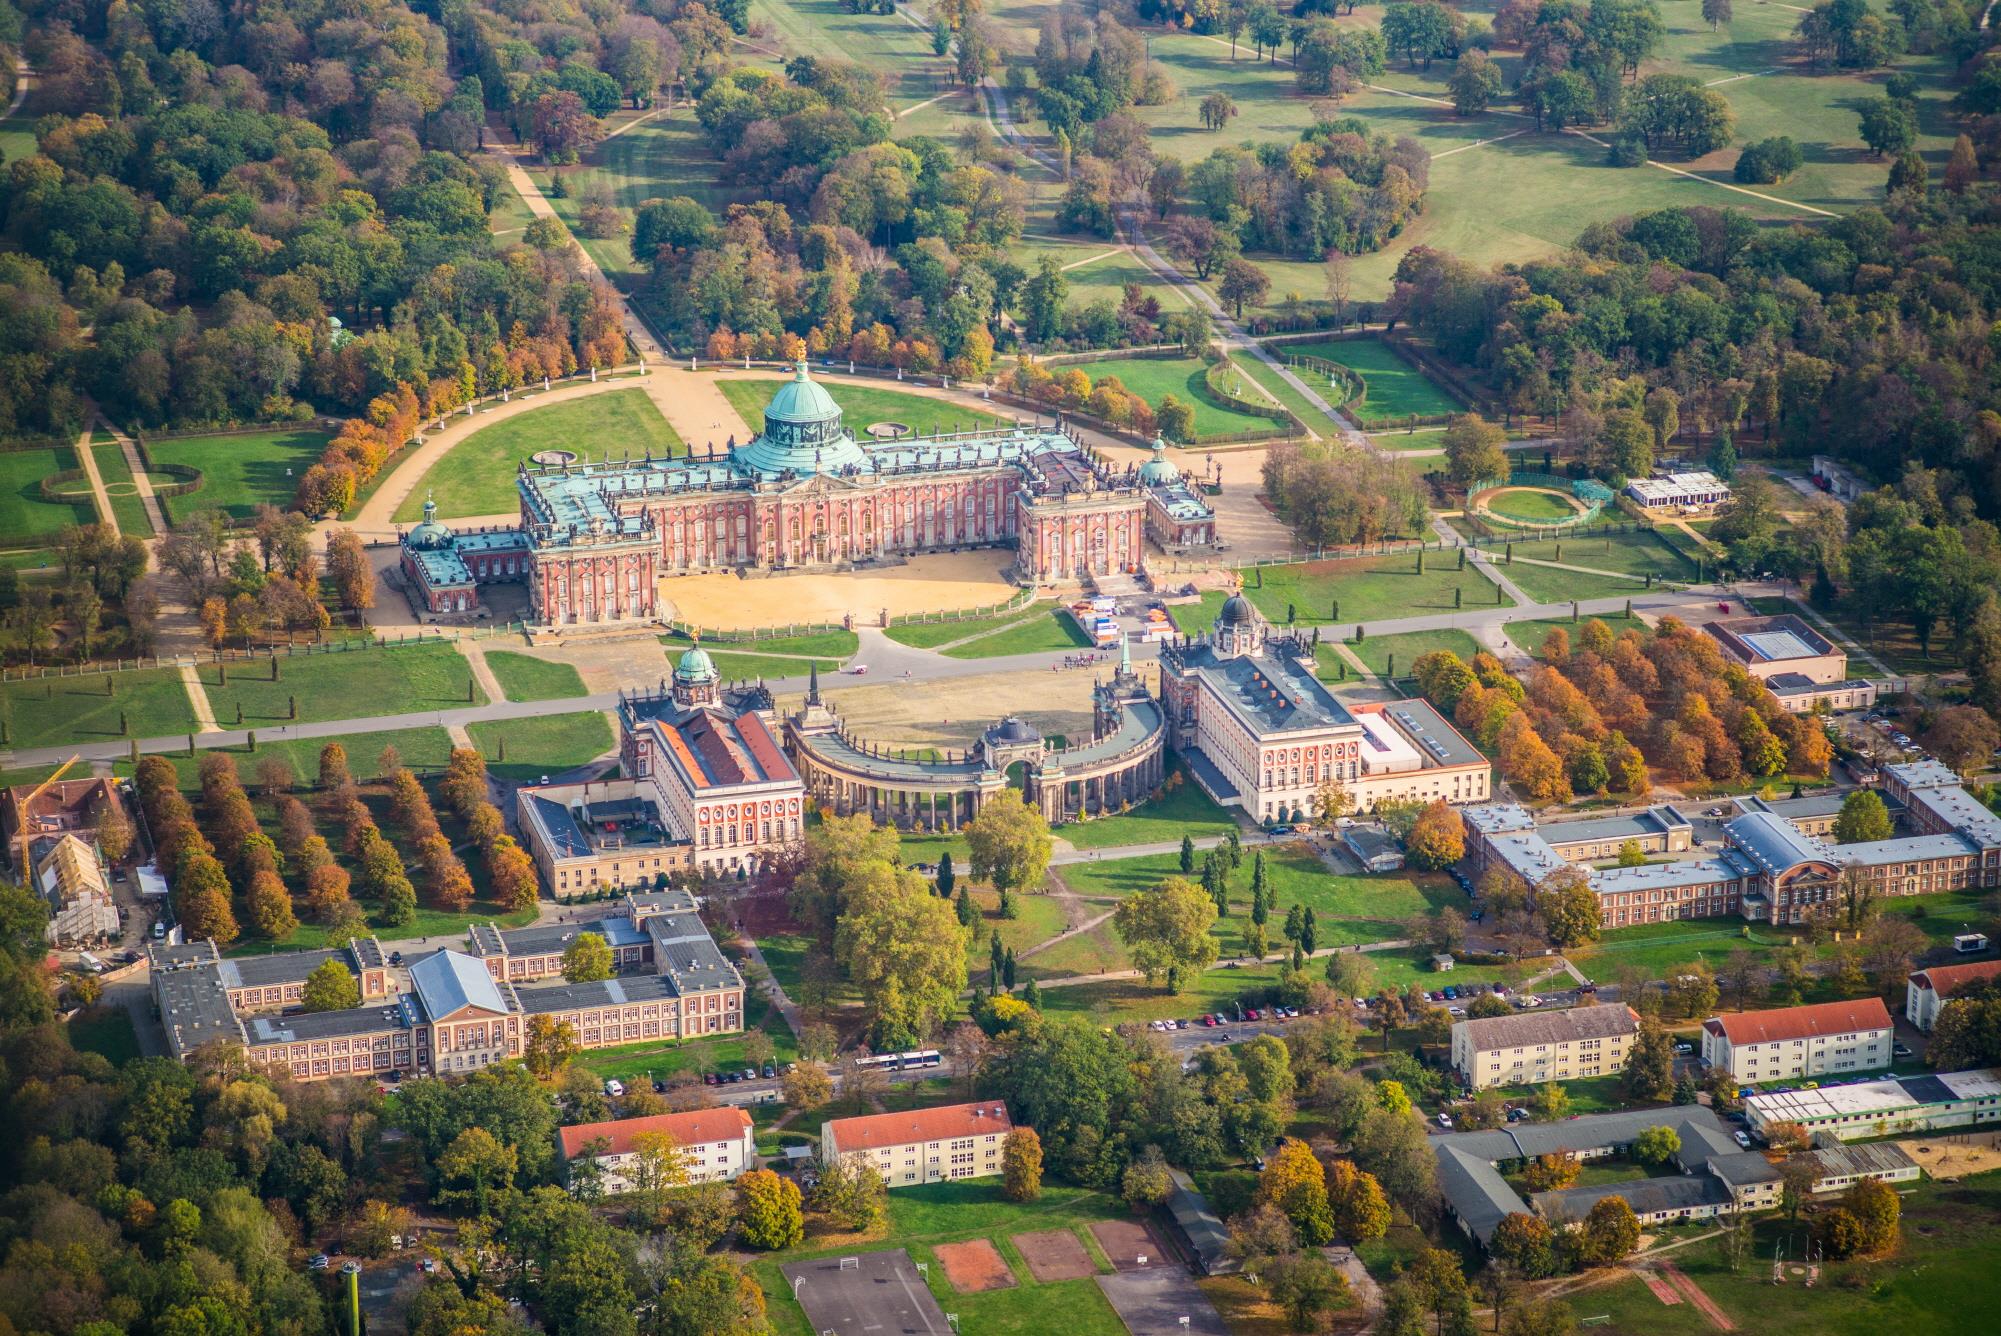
921, 665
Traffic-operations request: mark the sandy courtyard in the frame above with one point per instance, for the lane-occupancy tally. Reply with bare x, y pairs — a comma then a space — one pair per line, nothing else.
952, 712
944, 582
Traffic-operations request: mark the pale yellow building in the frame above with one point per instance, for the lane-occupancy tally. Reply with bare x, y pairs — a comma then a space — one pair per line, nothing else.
1544, 1046
923, 1145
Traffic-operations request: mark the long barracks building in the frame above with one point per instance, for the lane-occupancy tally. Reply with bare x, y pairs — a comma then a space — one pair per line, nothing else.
461, 1010
595, 539
1770, 870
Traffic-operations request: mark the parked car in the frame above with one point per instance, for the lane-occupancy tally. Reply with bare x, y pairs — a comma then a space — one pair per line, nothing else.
710, 1078
1181, 1025
1901, 1050
1518, 1115
859, 670
1684, 1047
659, 1086
1281, 830
1455, 1011
769, 1071
1451, 991
614, 1088
318, 1262
396, 957
159, 930
1251, 1014
1742, 1140
1445, 1120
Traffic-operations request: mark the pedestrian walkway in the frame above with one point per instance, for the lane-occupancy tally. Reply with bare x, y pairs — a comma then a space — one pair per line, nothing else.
474, 654
198, 700
100, 499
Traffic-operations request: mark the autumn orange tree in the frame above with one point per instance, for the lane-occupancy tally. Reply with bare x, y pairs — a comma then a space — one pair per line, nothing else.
1438, 839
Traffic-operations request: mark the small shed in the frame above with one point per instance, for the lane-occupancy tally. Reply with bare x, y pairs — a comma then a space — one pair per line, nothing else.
1441, 962
1373, 849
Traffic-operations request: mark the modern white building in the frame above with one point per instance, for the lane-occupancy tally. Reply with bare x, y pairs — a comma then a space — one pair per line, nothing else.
1260, 732
1695, 489
1886, 1107
923, 1145
1540, 1046
718, 1145
1926, 991
1826, 1039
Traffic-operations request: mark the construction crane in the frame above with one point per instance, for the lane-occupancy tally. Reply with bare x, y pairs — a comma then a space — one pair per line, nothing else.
21, 851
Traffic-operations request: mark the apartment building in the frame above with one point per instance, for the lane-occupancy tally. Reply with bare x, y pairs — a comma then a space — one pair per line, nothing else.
1926, 991
924, 1145
718, 1144
1826, 1039
1544, 1046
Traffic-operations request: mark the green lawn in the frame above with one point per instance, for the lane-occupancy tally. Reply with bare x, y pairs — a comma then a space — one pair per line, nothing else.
1346, 910
526, 749
923, 1217
45, 712
1183, 810
1940, 1281
862, 405
105, 1030
750, 667
819, 644
1424, 438
930, 635
1153, 378
23, 512
1591, 1094
1280, 388
1367, 589
1396, 387
1037, 919
884, 43
1036, 633
1538, 506
396, 679
1549, 585
242, 471
1638, 552
1124, 1000
126, 507
1404, 649
653, 1058
525, 677
476, 477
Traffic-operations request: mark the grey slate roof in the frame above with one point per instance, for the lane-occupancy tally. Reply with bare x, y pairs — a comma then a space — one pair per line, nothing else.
1744, 1168
1644, 1195
1550, 1027
1633, 825
1205, 1230
1774, 843
1270, 692
399, 1013
1725, 866
282, 967
544, 998
447, 981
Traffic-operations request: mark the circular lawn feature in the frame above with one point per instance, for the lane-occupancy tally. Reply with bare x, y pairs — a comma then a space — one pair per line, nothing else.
888, 431
1529, 506
553, 458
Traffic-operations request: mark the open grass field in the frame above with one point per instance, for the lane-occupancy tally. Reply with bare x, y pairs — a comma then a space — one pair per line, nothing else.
1122, 1000
930, 635
1940, 1280
653, 1058
24, 515
1153, 378
1039, 632
126, 507
400, 679
1367, 589
476, 477
1278, 387
749, 667
1377, 651
525, 677
1557, 584
1347, 910
1397, 389
240, 472
525, 749
1183, 810
862, 405
1037, 919
900, 52
105, 1030
922, 1218
1639, 552
47, 711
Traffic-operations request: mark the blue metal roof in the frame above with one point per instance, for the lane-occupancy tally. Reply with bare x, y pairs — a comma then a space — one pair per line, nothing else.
1774, 843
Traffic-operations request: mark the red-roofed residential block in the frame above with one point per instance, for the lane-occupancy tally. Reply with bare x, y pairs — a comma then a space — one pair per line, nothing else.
719, 1144
1929, 989
924, 1145
1827, 1039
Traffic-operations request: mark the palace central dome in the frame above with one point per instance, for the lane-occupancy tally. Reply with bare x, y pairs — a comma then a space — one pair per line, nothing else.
803, 433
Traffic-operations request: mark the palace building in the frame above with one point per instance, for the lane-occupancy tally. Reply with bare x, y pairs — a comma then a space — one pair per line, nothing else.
1261, 732
595, 539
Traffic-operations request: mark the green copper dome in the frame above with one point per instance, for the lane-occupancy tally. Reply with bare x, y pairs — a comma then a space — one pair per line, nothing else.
802, 432
430, 534
1157, 469
695, 666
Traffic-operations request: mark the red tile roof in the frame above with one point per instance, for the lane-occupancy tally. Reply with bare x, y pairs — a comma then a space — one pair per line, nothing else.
878, 1130
1945, 980
697, 1128
1819, 1020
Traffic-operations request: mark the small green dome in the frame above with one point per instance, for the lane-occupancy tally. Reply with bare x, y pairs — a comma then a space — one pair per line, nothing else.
430, 534
695, 666
1158, 470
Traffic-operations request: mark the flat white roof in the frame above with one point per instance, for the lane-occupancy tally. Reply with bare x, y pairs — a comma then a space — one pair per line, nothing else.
1831, 1102
1982, 1084
1389, 752
1774, 645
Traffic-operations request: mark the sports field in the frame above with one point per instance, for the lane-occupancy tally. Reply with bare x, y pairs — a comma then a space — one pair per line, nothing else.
1531, 505
1397, 388
240, 471
862, 405
476, 477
